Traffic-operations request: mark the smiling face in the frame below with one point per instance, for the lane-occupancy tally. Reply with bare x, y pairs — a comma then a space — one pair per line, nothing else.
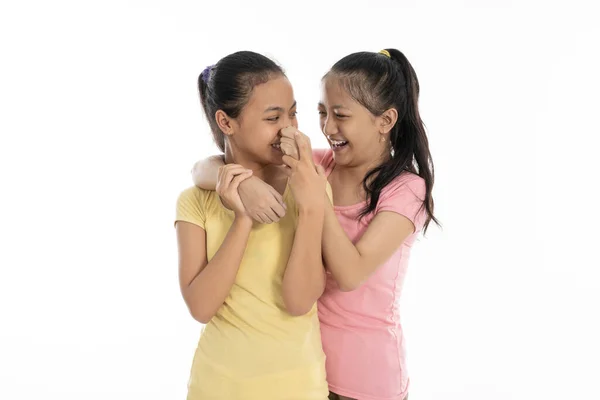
354, 134
254, 135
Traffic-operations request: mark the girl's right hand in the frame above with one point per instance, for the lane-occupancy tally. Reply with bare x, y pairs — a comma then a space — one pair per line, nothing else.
230, 177
307, 181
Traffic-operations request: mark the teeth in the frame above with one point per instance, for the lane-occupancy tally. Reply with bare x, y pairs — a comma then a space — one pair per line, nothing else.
338, 143
276, 145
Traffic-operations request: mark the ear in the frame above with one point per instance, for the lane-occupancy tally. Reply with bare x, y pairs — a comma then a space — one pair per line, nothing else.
225, 123
387, 120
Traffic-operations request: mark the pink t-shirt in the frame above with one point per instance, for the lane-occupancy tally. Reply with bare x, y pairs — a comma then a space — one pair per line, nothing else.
361, 331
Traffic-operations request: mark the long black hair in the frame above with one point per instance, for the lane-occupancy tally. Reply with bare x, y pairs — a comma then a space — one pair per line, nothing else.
379, 82
228, 84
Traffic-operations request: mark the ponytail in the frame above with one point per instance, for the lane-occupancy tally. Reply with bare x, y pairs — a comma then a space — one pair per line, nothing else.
380, 81
228, 84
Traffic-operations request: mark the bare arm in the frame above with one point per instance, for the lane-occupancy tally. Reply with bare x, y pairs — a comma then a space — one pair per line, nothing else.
352, 264
304, 278
262, 202
205, 172
205, 285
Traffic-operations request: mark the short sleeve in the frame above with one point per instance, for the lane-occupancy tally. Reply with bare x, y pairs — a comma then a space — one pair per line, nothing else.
324, 158
405, 196
191, 207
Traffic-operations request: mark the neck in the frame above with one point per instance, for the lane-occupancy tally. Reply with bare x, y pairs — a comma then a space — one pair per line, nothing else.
266, 172
354, 175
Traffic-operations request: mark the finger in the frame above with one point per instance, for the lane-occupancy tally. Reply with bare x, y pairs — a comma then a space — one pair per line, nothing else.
278, 210
235, 183
288, 147
234, 170
231, 173
304, 149
290, 161
320, 170
265, 218
278, 197
223, 181
258, 218
271, 216
288, 132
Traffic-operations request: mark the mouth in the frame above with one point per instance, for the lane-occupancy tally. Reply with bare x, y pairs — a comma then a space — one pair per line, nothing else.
338, 144
276, 146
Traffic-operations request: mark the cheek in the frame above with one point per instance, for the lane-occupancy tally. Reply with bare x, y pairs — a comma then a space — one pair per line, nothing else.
265, 133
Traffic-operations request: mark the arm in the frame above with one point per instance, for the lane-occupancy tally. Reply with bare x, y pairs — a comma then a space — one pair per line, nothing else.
205, 285
262, 202
304, 277
205, 172
352, 264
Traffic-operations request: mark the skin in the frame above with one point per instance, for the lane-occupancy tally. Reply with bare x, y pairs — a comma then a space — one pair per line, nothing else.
249, 152
343, 119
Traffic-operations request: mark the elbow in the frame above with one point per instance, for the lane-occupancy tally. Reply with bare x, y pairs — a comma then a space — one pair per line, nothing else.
202, 316
297, 308
349, 285
297, 304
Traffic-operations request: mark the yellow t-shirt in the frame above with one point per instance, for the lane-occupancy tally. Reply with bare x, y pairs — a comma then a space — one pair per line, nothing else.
252, 348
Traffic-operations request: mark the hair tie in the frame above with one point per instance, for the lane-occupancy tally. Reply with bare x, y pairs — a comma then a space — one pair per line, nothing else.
385, 53
206, 73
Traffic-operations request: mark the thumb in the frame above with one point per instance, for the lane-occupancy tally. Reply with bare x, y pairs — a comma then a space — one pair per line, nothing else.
320, 170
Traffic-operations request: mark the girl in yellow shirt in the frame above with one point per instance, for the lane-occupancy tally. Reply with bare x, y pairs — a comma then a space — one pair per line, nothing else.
254, 285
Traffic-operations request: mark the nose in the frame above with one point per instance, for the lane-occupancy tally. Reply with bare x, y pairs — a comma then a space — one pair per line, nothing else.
329, 127
287, 121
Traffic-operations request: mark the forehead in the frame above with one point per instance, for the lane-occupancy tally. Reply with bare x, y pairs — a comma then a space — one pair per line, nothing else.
276, 92
334, 94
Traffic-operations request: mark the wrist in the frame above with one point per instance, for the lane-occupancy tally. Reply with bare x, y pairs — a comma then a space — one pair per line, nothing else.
243, 220
245, 182
313, 211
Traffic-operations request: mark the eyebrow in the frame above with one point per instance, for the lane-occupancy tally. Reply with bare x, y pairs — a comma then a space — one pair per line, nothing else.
334, 107
280, 109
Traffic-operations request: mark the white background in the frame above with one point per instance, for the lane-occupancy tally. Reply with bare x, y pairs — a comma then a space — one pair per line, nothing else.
100, 124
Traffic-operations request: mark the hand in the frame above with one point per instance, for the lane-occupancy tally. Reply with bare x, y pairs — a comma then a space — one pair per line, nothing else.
288, 142
262, 202
307, 182
230, 177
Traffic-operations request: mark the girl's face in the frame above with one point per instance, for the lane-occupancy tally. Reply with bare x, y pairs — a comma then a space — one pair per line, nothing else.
354, 134
255, 136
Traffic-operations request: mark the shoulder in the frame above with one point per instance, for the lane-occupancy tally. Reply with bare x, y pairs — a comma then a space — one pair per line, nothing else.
195, 204
406, 184
405, 195
194, 194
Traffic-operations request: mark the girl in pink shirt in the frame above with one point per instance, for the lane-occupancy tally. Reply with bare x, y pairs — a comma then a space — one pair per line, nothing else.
381, 174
